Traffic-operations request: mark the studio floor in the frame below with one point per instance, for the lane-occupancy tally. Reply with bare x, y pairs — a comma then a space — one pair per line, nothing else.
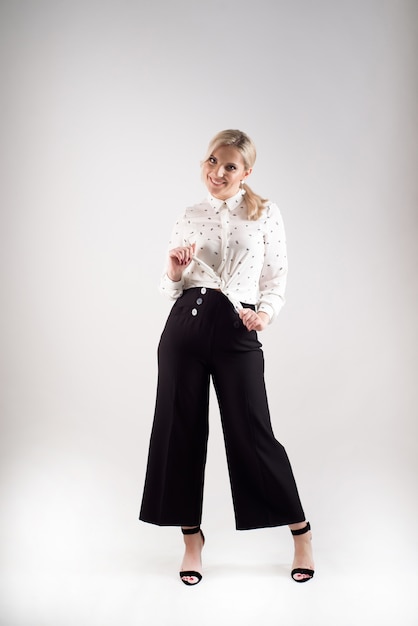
132, 579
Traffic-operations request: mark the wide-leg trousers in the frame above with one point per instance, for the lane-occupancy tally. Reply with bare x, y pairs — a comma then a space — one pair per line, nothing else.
204, 338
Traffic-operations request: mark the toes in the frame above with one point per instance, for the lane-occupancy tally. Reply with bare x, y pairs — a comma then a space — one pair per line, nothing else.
192, 580
301, 575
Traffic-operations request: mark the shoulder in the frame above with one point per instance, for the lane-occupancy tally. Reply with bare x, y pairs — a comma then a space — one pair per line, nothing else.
201, 208
191, 211
271, 212
271, 208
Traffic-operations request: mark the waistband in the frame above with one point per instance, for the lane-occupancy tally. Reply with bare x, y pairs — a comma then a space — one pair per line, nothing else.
204, 290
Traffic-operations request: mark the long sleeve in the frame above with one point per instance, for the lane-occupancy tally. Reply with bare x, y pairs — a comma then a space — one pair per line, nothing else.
272, 283
170, 288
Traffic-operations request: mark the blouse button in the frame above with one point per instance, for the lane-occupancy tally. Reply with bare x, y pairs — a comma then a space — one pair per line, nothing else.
199, 301
203, 290
194, 312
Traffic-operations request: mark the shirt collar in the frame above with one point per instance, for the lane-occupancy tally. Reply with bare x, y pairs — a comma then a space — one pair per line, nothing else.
231, 203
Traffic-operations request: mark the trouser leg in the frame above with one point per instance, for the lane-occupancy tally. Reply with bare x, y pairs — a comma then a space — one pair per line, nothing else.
173, 491
262, 482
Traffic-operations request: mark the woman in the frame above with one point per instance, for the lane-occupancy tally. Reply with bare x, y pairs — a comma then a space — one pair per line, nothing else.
226, 272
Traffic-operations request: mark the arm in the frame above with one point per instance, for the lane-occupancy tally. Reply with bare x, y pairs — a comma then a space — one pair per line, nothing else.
273, 275
179, 257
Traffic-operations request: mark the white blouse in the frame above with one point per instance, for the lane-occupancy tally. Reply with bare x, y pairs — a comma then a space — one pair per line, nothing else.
245, 259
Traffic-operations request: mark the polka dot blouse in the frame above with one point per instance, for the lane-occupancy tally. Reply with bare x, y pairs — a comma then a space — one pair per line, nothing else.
245, 259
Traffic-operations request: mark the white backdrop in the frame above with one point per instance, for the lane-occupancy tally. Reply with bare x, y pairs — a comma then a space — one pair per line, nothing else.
107, 109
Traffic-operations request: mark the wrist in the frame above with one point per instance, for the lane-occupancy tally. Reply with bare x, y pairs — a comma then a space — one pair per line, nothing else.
174, 277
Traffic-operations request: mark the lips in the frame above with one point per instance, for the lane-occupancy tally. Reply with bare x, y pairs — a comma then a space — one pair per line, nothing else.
216, 183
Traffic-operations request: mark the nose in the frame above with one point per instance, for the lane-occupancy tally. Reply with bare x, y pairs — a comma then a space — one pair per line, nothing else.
220, 171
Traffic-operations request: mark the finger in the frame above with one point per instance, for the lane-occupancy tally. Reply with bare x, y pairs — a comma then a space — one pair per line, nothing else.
187, 254
182, 255
175, 253
191, 251
251, 320
247, 323
249, 314
244, 313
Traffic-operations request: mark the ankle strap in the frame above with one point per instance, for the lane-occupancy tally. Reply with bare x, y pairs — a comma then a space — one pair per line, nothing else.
190, 531
302, 531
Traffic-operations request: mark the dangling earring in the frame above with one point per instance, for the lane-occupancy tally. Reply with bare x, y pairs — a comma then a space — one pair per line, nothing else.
241, 184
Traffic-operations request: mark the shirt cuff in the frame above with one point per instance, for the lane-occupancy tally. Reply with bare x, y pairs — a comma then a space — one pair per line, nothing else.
266, 308
171, 288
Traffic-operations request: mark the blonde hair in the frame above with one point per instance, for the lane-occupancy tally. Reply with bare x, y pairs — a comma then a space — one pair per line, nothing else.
240, 141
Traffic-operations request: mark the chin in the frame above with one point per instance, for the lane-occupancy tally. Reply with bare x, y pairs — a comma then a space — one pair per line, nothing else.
217, 193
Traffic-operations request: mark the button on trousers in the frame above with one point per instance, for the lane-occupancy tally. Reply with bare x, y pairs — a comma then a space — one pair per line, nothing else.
204, 338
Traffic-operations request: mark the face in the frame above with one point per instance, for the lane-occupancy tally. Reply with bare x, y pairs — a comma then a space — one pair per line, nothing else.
223, 172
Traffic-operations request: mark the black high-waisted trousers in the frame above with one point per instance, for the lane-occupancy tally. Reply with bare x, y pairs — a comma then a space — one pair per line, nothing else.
204, 337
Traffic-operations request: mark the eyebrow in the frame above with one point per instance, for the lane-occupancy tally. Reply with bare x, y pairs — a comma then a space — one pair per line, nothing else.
212, 156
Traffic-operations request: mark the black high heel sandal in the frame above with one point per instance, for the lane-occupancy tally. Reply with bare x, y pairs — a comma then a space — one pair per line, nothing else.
302, 570
198, 575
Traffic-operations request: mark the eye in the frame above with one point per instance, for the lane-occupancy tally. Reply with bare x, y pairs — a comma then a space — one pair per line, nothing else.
230, 168
212, 160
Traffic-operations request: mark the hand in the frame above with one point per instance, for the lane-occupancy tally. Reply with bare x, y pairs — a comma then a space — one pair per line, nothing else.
178, 260
253, 320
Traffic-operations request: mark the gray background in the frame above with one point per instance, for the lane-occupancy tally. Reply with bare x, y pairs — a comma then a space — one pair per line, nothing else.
107, 109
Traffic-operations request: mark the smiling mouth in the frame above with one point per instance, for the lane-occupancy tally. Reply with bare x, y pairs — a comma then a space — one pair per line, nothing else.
217, 184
